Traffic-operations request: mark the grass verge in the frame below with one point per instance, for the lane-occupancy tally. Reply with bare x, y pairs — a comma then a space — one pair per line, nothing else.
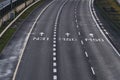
110, 11
9, 33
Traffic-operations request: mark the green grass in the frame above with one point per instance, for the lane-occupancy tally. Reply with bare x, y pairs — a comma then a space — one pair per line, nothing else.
110, 10
6, 37
9, 33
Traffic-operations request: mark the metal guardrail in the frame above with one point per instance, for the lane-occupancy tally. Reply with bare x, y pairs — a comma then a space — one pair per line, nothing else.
5, 3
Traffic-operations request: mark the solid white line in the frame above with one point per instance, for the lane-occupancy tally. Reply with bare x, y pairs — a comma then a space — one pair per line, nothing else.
56, 21
26, 40
100, 28
93, 70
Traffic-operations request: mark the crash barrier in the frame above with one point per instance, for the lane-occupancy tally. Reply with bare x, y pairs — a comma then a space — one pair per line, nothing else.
7, 14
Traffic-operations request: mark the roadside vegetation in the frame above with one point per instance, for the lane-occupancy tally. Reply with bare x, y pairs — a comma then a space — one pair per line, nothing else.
9, 33
110, 11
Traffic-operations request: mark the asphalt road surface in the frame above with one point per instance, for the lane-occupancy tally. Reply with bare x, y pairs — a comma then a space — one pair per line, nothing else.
64, 43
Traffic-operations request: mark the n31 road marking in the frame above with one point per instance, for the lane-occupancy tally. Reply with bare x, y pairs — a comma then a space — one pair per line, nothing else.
40, 38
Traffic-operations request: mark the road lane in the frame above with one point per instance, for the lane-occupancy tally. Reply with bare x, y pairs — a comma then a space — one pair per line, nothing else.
36, 62
101, 54
72, 63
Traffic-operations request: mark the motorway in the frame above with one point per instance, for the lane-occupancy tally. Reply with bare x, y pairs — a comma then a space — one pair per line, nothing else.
65, 43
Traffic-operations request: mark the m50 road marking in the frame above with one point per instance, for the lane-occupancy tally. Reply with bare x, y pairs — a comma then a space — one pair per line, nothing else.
41, 37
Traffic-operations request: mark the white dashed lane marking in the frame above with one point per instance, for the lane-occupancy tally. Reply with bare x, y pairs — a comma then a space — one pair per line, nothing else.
77, 26
54, 53
86, 54
54, 59
82, 42
79, 33
55, 77
54, 64
93, 70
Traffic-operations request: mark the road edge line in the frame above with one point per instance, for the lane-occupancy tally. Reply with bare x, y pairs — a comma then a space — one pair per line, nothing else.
98, 26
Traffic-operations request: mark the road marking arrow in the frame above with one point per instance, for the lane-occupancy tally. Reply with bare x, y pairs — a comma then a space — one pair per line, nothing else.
67, 34
42, 33
92, 35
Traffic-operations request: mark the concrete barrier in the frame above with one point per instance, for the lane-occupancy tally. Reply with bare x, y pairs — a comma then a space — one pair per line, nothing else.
15, 10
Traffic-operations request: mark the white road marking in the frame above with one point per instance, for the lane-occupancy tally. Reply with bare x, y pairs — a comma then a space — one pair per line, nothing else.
55, 28
26, 40
86, 54
67, 34
54, 45
54, 35
54, 38
93, 70
54, 32
79, 33
54, 49
91, 35
54, 64
54, 42
82, 42
54, 53
75, 16
41, 33
76, 20
107, 33
91, 4
54, 59
54, 70
77, 26
55, 77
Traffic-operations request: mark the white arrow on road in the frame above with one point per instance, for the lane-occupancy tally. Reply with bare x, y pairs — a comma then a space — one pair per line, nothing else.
92, 35
42, 33
67, 34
